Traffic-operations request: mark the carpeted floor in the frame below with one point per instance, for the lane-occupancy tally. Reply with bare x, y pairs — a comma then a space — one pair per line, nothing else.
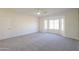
39, 42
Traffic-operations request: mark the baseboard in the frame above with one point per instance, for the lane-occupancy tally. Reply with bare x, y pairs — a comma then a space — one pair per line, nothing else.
18, 35
39, 32
62, 36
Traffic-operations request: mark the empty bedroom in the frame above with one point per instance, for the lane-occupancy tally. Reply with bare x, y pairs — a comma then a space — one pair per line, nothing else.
39, 29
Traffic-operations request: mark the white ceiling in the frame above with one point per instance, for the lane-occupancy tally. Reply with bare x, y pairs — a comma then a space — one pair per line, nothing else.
49, 11
31, 11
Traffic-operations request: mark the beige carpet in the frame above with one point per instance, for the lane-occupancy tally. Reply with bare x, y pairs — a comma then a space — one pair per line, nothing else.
39, 42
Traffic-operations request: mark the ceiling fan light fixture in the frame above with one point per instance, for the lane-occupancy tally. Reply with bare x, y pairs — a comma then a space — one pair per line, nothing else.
38, 13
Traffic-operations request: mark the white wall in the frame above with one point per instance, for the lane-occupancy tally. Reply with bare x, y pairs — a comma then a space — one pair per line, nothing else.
71, 23
13, 24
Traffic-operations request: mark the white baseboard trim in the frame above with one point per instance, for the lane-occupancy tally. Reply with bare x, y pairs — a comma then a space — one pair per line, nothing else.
18, 35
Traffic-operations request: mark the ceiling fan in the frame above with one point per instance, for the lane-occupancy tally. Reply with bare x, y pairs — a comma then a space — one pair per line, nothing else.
40, 11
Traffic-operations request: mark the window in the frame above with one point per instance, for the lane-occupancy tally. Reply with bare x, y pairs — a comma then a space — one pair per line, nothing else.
51, 26
62, 24
45, 24
54, 24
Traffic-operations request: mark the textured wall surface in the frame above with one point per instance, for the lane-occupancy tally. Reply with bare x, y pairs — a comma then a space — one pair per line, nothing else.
71, 23
13, 24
